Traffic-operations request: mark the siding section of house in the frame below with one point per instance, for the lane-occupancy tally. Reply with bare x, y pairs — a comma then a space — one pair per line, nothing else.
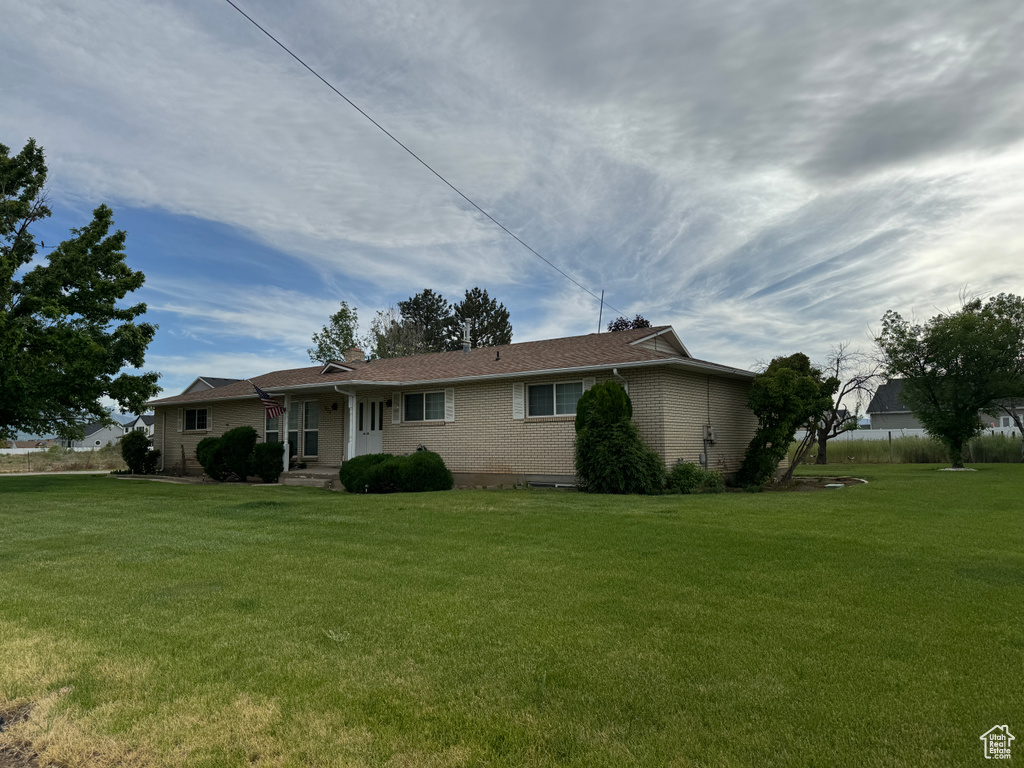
484, 438
693, 401
228, 414
895, 421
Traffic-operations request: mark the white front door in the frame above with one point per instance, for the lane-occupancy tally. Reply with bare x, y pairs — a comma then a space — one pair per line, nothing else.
369, 426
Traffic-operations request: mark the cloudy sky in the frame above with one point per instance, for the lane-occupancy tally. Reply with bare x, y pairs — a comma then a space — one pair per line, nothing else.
766, 176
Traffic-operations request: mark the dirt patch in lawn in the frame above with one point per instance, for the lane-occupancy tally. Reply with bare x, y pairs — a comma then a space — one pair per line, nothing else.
805, 484
16, 755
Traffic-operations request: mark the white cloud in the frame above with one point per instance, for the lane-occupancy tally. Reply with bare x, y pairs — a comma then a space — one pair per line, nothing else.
766, 176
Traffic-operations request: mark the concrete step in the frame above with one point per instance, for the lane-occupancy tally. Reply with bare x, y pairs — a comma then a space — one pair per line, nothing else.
330, 483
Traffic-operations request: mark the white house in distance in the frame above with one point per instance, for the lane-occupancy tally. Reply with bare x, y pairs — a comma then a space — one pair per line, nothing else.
96, 436
143, 423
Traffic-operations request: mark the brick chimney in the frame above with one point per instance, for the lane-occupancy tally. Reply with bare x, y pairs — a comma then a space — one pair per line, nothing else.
354, 355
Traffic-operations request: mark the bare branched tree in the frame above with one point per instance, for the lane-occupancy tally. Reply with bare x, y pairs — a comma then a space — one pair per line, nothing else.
859, 375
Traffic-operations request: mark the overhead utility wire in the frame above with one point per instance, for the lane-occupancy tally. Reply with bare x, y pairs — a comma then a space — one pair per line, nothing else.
421, 161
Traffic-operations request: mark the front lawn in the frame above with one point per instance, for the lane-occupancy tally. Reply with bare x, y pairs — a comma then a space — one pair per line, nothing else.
151, 623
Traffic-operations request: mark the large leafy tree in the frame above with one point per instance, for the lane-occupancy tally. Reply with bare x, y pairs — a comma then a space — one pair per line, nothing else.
488, 320
787, 395
427, 316
957, 365
392, 336
336, 338
64, 336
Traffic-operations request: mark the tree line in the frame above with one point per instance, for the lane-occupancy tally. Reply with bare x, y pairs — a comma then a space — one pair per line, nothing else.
954, 367
426, 322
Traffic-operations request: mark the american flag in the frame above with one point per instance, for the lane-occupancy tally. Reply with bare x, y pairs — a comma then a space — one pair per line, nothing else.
273, 408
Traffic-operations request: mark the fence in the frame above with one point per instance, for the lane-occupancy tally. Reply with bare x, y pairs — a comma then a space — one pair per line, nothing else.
886, 434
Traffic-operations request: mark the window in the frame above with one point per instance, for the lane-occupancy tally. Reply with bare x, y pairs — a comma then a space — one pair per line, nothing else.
310, 428
195, 419
293, 430
1006, 421
554, 399
424, 406
272, 432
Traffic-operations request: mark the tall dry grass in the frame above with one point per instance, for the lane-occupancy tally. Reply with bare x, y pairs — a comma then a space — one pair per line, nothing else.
986, 449
58, 459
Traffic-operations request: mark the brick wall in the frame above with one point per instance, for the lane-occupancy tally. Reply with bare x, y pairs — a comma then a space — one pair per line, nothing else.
670, 409
228, 414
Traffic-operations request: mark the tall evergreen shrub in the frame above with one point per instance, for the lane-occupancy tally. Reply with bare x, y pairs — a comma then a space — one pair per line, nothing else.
610, 455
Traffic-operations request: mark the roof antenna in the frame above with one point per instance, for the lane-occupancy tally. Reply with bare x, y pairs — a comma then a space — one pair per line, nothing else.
601, 313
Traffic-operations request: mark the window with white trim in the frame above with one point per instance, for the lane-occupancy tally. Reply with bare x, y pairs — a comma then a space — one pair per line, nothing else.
310, 428
557, 399
195, 419
272, 430
424, 406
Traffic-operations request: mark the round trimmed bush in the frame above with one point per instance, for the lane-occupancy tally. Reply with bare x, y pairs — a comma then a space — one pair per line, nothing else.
210, 456
424, 471
354, 473
268, 461
385, 473
691, 478
237, 446
136, 454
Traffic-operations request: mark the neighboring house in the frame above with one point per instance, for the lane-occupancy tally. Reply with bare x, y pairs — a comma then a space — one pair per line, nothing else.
207, 382
97, 435
143, 423
887, 411
495, 414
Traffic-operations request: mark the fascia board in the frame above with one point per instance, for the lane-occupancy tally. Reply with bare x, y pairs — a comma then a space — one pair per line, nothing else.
685, 363
672, 332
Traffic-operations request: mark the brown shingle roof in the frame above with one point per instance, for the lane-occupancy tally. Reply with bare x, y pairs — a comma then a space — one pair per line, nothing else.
596, 350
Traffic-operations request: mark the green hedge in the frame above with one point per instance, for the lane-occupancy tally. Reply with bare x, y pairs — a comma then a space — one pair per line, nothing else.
385, 473
691, 478
268, 461
135, 450
230, 456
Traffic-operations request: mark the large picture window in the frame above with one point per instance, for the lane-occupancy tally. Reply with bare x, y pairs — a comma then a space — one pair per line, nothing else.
195, 419
424, 406
554, 399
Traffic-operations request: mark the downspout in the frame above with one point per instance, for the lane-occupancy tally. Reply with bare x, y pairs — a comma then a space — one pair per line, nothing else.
620, 377
163, 440
350, 447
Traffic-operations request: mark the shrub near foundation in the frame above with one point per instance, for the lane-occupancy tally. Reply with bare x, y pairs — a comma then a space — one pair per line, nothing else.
135, 450
610, 455
424, 471
384, 473
354, 473
210, 455
690, 478
268, 461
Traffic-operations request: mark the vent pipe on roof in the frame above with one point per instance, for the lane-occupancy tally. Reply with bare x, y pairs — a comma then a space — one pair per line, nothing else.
465, 338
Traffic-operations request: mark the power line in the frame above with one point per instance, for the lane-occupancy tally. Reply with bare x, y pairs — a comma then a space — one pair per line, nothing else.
420, 160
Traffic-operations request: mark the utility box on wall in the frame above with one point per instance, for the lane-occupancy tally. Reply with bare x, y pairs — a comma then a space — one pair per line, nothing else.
709, 433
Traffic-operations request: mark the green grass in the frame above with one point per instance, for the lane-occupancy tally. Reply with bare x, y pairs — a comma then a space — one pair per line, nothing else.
878, 625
